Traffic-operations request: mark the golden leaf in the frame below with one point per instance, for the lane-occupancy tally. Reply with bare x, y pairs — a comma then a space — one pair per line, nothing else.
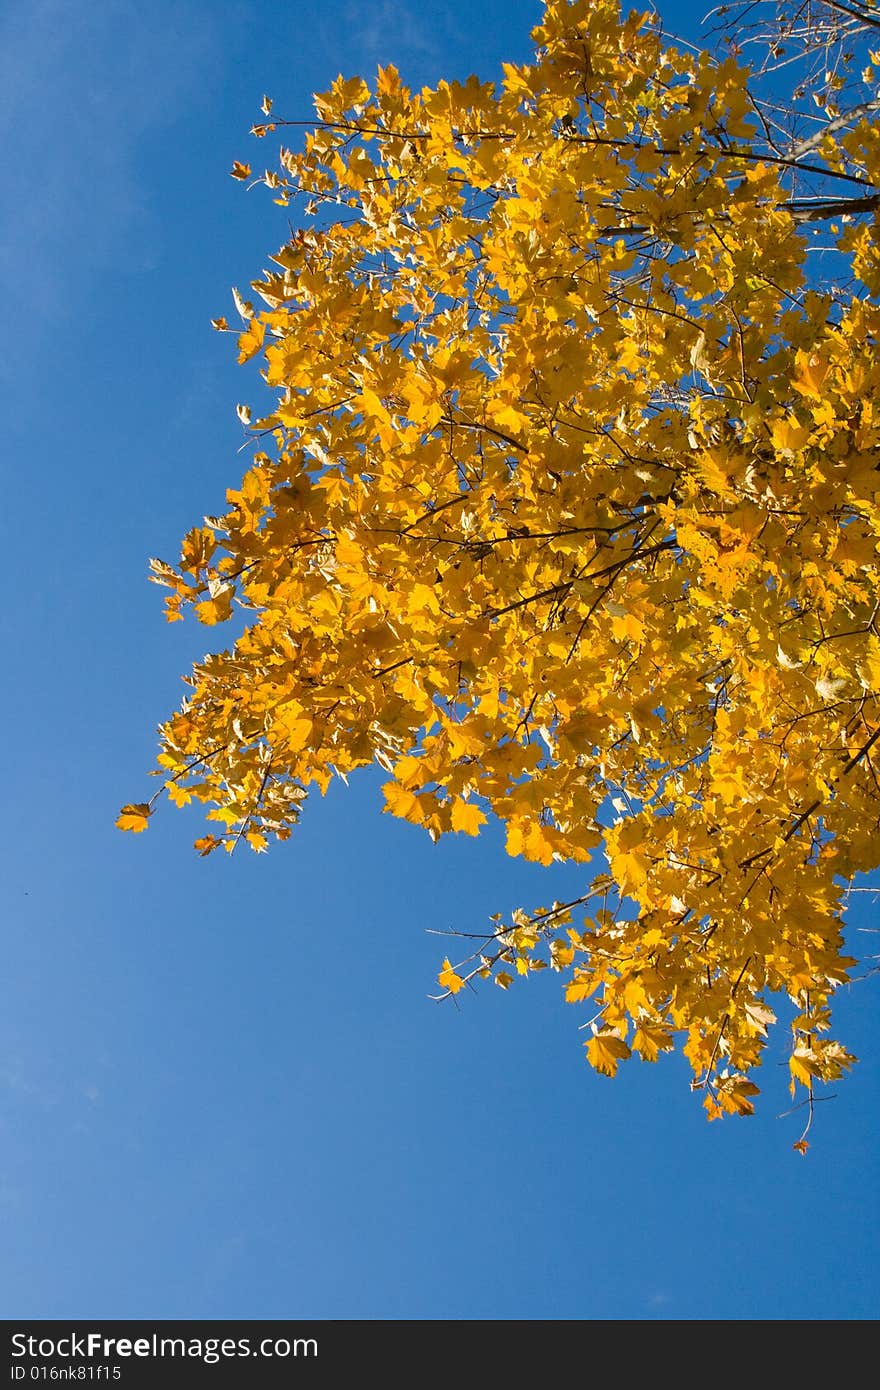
448, 980
789, 435
298, 731
467, 817
250, 342
402, 803
650, 1040
215, 610
605, 1052
134, 817
206, 844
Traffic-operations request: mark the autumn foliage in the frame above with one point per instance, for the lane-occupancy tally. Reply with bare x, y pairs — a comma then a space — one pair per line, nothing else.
565, 509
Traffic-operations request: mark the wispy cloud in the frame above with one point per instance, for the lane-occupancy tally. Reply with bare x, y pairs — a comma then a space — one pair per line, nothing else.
392, 30
20, 1081
80, 87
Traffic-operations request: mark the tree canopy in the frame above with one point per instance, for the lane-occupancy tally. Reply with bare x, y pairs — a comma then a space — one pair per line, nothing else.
565, 509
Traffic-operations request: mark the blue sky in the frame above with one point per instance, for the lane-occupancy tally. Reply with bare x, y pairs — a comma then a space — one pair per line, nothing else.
224, 1092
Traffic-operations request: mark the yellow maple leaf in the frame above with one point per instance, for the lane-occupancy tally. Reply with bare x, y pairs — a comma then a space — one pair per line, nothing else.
789, 435
812, 370
507, 417
605, 1052
735, 1095
239, 170
298, 731
215, 610
205, 844
579, 989
626, 627
629, 356
729, 783
348, 552
650, 1040
134, 817
387, 80
803, 1067
402, 803
467, 817
630, 868
531, 840
372, 405
448, 979
180, 796
251, 340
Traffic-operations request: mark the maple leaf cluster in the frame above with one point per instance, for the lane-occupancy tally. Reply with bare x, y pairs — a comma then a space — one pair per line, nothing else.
566, 511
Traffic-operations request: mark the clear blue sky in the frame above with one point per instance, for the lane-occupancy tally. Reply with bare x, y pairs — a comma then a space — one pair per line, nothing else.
224, 1090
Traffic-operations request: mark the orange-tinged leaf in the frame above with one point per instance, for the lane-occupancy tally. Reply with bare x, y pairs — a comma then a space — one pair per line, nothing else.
206, 844
239, 170
134, 816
